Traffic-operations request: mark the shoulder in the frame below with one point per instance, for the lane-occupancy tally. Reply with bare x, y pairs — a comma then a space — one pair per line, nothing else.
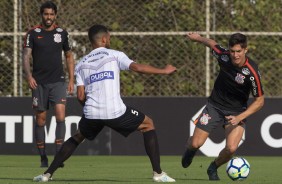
35, 29
251, 63
218, 49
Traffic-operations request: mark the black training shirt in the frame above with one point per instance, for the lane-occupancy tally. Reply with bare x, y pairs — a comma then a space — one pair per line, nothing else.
47, 47
234, 84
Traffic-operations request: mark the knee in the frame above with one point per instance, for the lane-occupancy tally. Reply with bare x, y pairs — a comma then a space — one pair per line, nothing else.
78, 137
40, 122
147, 125
231, 149
195, 145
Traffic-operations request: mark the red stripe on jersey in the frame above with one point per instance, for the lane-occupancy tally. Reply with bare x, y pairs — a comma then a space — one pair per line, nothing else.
216, 49
196, 121
255, 75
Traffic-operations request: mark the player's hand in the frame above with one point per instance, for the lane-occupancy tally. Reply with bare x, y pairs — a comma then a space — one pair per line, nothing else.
193, 36
233, 120
169, 69
70, 88
32, 82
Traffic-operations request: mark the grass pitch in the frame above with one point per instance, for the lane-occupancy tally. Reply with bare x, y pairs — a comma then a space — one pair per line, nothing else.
132, 169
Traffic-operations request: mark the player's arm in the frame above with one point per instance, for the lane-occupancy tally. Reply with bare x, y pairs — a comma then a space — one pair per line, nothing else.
195, 37
81, 95
26, 66
256, 105
148, 69
70, 67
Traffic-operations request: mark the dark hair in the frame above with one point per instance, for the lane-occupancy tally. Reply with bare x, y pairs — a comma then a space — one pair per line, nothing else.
238, 38
95, 31
49, 5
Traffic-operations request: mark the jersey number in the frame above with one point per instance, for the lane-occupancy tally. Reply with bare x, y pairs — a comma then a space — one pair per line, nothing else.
134, 112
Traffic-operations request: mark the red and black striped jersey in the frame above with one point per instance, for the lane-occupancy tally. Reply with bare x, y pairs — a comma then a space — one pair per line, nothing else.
47, 47
233, 85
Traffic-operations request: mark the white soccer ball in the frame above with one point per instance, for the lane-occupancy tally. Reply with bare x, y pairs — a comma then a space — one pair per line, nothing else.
238, 168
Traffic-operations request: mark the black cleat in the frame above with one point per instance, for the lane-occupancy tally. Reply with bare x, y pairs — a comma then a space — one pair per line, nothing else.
44, 162
212, 172
187, 158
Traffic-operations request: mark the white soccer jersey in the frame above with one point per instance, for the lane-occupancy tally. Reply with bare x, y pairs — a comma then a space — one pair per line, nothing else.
99, 73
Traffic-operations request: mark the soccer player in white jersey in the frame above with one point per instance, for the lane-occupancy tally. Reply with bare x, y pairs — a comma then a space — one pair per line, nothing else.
98, 90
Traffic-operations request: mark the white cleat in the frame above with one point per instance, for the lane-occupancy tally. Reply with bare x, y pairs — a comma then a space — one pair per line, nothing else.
163, 177
42, 178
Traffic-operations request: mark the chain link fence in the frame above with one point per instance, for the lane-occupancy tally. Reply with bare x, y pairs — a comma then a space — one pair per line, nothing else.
152, 31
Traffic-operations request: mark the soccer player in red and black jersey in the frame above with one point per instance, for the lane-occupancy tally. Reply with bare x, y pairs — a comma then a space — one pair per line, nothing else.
227, 105
45, 44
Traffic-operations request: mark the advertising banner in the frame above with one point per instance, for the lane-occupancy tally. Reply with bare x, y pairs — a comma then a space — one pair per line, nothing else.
173, 118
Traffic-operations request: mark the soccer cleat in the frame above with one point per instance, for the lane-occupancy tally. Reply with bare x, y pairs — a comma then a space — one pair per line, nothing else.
163, 177
187, 158
212, 172
44, 162
42, 178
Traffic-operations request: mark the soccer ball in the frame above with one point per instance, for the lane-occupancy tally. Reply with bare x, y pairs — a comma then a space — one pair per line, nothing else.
238, 168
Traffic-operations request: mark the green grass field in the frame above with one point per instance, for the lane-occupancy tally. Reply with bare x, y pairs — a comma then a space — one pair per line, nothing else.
132, 169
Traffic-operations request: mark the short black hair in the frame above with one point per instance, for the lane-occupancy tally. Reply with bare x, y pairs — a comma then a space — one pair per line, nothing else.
49, 5
95, 31
238, 38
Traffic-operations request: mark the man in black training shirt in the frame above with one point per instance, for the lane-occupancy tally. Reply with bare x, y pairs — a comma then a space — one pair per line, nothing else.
238, 77
45, 44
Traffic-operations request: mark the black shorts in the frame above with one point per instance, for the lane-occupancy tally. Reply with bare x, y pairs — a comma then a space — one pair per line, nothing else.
125, 124
45, 94
211, 117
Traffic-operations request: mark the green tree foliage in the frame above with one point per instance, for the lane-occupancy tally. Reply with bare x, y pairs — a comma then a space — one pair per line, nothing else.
158, 50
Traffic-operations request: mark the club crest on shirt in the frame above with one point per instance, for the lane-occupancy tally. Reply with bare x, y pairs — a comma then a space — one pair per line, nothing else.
204, 120
57, 38
38, 30
59, 29
246, 71
240, 78
224, 58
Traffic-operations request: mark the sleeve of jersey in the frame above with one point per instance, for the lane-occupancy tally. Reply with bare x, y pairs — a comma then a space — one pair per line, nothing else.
66, 45
28, 40
219, 52
123, 61
78, 78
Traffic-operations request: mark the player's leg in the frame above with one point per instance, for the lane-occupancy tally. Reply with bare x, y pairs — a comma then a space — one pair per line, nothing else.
233, 136
206, 122
40, 136
57, 97
40, 106
64, 153
87, 129
152, 149
193, 144
60, 125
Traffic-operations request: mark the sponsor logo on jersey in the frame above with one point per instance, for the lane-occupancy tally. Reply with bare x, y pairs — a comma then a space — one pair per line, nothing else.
252, 79
39, 37
59, 29
204, 120
38, 30
246, 71
240, 78
57, 38
224, 58
101, 76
